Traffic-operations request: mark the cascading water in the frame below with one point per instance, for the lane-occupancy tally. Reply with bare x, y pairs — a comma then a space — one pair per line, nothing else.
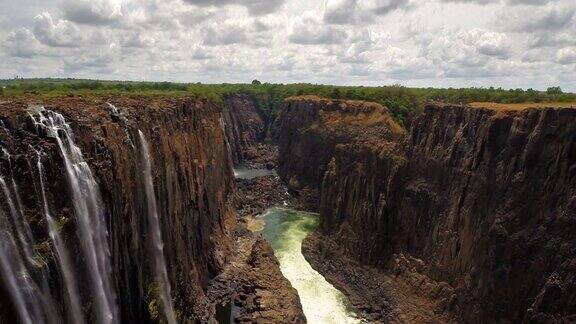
21, 225
21, 264
21, 232
157, 244
89, 212
73, 300
11, 272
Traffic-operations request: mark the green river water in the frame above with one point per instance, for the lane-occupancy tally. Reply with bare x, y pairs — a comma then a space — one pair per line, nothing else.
285, 229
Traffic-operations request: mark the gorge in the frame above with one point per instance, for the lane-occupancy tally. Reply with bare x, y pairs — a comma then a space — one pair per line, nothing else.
142, 209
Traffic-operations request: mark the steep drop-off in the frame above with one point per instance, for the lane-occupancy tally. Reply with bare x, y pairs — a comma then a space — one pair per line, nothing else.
194, 188
312, 131
245, 125
475, 208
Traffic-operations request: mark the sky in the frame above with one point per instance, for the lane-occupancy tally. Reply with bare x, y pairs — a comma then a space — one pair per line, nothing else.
422, 43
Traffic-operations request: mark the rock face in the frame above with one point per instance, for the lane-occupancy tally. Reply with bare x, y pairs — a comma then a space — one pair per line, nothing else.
481, 201
311, 132
499, 189
244, 123
261, 293
193, 186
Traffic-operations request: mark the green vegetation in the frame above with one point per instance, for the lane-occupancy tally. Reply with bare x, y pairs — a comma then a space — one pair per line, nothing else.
402, 101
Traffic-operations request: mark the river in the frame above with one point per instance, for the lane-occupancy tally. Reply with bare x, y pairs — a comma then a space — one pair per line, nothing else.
285, 229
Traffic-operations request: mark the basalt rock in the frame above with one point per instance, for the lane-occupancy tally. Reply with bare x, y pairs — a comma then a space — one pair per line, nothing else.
244, 124
498, 188
480, 200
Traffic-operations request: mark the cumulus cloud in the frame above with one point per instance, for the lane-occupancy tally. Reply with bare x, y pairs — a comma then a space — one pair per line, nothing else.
531, 2
225, 34
434, 42
360, 12
200, 52
510, 2
382, 7
309, 30
558, 39
137, 40
366, 47
92, 12
56, 34
474, 52
480, 2
22, 43
566, 55
470, 45
342, 12
525, 19
255, 7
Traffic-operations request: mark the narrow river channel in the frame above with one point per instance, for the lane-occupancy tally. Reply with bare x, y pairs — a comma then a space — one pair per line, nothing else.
285, 229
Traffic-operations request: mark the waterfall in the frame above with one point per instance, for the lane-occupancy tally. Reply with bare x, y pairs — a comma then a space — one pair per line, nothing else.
11, 272
228, 148
24, 271
24, 237
16, 212
160, 273
73, 299
89, 212
113, 108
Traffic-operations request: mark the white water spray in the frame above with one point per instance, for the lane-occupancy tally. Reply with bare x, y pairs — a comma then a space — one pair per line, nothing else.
157, 244
22, 260
73, 300
10, 272
89, 212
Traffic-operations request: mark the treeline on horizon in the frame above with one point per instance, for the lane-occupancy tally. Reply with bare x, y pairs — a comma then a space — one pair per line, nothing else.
403, 102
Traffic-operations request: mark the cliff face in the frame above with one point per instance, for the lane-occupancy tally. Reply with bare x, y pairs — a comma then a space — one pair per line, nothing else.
193, 186
480, 199
244, 124
488, 197
312, 132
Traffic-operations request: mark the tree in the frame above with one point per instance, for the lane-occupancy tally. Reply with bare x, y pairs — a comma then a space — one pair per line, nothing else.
256, 82
554, 91
336, 94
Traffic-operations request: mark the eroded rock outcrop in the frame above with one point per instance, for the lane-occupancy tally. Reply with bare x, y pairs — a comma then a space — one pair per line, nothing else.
477, 203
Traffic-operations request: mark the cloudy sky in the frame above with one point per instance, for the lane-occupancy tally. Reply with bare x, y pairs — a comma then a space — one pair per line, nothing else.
460, 43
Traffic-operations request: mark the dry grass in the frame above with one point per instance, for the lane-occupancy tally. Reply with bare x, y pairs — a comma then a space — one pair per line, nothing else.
353, 113
521, 106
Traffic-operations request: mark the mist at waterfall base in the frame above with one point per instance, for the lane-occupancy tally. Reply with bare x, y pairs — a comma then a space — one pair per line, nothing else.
322, 303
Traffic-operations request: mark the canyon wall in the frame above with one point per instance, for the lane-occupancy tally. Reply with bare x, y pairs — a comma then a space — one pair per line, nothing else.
482, 200
193, 184
245, 125
499, 189
311, 132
